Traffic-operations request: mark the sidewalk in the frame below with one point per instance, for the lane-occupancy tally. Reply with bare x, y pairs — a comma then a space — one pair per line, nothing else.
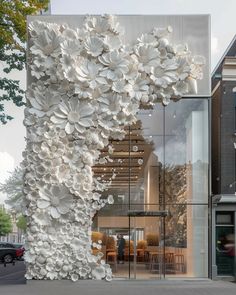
118, 287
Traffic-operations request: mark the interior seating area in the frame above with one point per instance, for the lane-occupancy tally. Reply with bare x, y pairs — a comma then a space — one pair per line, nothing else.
146, 253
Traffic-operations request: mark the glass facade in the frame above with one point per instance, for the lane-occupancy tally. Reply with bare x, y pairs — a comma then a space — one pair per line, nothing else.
161, 165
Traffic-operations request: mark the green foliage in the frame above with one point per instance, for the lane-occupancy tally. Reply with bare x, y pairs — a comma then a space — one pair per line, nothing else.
22, 223
12, 46
13, 188
5, 223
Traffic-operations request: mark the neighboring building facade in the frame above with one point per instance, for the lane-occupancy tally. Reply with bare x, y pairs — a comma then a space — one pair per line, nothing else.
224, 164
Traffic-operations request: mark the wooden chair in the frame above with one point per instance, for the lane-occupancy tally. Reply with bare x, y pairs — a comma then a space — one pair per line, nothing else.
179, 263
169, 263
156, 262
112, 259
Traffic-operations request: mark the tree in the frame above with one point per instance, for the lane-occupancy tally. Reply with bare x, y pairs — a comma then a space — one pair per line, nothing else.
13, 188
21, 223
5, 223
12, 46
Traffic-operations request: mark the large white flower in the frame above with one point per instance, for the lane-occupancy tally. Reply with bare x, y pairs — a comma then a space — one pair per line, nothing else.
36, 27
110, 104
165, 74
43, 101
97, 24
94, 46
133, 69
73, 115
71, 47
88, 71
137, 87
116, 65
56, 198
47, 43
147, 57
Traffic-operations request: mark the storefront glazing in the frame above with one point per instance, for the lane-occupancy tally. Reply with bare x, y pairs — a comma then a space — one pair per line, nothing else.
162, 164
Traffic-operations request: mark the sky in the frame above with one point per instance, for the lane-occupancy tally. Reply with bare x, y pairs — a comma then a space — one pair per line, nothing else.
223, 27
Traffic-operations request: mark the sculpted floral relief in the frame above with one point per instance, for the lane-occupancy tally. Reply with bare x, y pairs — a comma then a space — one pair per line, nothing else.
86, 86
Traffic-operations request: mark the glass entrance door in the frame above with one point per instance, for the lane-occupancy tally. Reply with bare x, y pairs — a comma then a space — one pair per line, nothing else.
148, 251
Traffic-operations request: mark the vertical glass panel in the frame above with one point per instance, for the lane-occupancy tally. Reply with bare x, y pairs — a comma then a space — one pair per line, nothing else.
147, 244
186, 236
186, 151
147, 248
151, 122
111, 226
112, 222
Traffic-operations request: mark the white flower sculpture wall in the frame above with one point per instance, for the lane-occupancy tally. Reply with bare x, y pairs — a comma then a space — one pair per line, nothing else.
86, 86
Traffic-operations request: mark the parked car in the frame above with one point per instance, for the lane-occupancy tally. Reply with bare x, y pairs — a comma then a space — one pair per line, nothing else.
8, 252
20, 250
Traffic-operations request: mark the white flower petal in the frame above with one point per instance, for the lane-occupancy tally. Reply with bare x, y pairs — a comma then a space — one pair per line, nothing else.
42, 204
69, 128
54, 213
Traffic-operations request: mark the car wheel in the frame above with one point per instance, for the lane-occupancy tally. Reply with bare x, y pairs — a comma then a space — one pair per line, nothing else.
8, 258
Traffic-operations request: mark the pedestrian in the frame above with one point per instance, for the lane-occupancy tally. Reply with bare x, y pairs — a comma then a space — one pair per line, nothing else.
120, 248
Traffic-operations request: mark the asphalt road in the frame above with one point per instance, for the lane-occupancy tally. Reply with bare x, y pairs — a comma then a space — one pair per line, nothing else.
12, 274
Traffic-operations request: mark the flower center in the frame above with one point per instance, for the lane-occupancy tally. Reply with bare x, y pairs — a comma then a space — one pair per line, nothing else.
54, 201
159, 72
112, 65
73, 117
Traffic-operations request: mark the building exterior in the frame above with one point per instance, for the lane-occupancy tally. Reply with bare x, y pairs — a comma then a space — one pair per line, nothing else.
158, 174
224, 163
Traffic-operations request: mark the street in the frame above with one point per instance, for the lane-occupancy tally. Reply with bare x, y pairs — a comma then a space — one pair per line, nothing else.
12, 274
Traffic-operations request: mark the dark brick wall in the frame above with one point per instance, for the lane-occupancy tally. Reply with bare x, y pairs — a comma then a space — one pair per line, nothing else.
227, 129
